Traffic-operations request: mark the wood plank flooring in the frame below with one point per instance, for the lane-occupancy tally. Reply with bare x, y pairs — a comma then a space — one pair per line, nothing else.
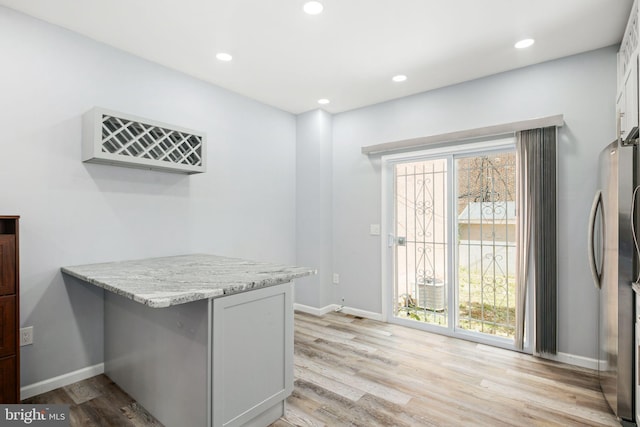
358, 372
96, 402
353, 371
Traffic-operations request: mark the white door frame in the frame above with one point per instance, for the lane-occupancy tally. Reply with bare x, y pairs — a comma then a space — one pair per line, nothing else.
387, 233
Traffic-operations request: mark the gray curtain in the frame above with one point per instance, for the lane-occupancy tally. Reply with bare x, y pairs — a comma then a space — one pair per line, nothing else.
536, 256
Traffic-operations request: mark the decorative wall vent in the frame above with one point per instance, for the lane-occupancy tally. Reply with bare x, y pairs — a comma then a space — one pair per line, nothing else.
120, 139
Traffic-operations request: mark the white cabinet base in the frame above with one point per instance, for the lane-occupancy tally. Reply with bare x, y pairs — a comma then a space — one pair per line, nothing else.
221, 362
252, 353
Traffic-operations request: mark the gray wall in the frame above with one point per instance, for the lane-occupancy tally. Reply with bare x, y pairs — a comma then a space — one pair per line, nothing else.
581, 87
314, 206
76, 213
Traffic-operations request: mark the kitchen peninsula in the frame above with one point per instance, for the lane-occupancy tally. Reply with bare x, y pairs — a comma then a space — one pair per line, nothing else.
199, 340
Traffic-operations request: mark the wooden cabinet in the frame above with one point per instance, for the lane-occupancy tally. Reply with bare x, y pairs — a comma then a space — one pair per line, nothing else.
7, 326
9, 311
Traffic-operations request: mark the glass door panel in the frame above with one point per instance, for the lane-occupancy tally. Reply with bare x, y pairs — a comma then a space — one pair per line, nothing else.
486, 243
421, 243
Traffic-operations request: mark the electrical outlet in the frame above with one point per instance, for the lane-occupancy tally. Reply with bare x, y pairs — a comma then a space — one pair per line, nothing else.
26, 336
336, 278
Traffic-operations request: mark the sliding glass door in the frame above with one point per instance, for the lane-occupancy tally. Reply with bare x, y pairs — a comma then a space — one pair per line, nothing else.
452, 243
486, 243
422, 240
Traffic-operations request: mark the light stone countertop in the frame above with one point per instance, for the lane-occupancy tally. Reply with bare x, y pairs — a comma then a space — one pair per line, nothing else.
167, 281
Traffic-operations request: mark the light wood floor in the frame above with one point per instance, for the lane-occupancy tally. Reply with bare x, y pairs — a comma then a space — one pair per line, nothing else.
352, 371
357, 372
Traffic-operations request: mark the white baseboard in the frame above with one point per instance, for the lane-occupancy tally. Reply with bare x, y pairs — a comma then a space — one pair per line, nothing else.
362, 313
314, 310
572, 359
335, 307
60, 381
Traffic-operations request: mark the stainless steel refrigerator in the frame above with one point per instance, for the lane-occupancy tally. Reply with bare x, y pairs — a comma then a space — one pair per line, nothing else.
613, 265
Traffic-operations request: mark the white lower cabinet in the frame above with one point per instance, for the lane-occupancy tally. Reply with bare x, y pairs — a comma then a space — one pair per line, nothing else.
252, 356
226, 361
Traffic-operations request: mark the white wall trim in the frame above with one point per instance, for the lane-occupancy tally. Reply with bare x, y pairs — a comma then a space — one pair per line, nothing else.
60, 381
362, 313
315, 310
572, 359
495, 144
487, 131
387, 230
335, 307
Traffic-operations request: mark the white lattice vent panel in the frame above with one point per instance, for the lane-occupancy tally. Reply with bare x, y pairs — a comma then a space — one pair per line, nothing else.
630, 40
115, 138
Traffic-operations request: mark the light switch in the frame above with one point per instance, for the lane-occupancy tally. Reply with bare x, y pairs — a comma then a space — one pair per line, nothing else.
374, 229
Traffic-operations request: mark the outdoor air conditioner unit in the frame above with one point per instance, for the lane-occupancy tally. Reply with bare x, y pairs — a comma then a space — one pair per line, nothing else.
431, 295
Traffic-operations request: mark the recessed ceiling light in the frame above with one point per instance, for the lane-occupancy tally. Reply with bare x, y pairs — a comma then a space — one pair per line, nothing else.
313, 7
399, 78
323, 101
222, 56
522, 44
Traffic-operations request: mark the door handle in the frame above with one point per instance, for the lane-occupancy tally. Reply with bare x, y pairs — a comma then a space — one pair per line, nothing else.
597, 203
393, 240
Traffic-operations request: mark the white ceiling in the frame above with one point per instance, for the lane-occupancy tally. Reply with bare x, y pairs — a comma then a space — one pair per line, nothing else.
348, 54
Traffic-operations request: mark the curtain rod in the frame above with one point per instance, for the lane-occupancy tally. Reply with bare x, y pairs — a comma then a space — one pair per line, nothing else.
501, 129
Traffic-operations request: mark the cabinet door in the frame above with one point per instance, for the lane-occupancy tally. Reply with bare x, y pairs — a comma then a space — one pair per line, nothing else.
8, 386
620, 123
7, 264
252, 355
7, 326
631, 98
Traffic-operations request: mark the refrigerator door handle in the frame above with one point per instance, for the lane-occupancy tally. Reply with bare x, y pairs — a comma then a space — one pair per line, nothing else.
597, 275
